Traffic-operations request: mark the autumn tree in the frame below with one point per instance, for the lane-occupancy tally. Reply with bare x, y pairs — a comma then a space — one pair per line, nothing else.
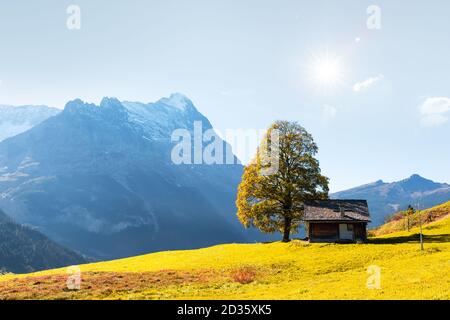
272, 200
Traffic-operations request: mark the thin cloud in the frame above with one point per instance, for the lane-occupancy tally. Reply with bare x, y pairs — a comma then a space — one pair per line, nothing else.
433, 120
435, 111
363, 85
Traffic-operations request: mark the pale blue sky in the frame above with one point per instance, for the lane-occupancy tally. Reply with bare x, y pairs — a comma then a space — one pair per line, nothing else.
246, 63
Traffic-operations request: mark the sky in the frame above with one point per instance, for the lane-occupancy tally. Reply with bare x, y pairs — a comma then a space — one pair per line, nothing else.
370, 83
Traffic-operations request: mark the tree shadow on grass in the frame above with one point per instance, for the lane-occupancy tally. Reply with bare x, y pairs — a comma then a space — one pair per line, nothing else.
414, 238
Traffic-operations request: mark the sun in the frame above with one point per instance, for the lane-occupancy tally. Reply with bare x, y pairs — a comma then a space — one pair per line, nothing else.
327, 71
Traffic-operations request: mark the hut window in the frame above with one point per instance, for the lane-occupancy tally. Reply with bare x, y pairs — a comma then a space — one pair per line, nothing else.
349, 227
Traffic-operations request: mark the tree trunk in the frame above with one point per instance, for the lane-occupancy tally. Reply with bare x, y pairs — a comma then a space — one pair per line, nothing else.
287, 229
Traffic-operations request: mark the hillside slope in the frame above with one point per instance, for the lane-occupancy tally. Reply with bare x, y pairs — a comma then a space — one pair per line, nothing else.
25, 250
399, 222
262, 271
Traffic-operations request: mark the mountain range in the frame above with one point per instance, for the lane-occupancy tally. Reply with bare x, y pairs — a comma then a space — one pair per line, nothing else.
100, 180
387, 198
23, 249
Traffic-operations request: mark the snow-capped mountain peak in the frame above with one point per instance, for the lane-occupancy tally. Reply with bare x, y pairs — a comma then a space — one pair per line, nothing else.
178, 101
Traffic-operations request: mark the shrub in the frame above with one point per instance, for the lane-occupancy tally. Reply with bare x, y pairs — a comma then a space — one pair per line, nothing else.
244, 275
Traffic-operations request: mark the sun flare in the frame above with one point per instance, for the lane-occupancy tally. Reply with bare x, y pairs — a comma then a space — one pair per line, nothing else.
327, 71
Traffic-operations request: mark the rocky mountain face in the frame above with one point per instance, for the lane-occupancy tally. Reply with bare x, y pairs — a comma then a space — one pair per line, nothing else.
99, 179
15, 120
387, 198
23, 249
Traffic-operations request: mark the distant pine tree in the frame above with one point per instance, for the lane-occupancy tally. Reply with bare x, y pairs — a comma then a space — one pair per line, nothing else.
408, 214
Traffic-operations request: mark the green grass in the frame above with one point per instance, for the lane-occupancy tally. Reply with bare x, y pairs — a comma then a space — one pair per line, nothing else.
295, 270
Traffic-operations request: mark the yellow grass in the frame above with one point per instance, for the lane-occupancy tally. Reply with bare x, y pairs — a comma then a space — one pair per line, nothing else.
296, 270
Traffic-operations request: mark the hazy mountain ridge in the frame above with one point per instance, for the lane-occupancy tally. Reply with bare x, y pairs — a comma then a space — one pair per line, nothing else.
99, 179
15, 120
387, 198
23, 249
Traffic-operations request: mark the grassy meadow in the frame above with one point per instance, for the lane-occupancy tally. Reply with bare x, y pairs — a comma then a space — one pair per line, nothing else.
296, 270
